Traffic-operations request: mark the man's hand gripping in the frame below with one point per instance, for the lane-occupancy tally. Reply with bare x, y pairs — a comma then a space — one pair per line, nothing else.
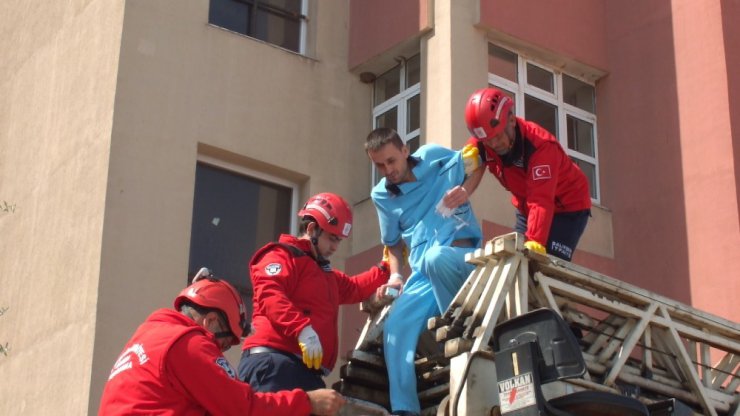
310, 345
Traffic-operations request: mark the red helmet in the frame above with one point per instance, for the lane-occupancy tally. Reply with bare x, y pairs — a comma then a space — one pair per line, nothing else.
331, 212
212, 293
486, 113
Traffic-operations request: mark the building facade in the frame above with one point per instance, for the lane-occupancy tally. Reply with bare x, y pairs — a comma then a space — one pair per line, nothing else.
141, 140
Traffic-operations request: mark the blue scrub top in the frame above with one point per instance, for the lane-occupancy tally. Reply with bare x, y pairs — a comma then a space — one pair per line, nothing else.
411, 214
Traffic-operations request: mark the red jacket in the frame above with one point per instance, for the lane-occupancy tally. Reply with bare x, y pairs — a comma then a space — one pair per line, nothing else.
541, 177
172, 366
292, 290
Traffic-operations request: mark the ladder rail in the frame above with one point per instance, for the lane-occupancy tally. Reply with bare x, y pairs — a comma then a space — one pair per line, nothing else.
633, 339
686, 337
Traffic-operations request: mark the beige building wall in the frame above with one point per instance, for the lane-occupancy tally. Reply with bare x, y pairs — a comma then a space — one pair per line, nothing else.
58, 70
98, 161
188, 90
106, 107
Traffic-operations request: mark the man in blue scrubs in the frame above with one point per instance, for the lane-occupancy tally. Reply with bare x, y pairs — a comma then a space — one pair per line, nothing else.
423, 210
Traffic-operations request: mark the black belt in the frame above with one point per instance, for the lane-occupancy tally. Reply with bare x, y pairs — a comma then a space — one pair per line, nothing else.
262, 350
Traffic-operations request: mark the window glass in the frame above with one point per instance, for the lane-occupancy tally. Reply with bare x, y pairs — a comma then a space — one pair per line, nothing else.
589, 169
279, 22
413, 144
229, 14
561, 103
578, 93
288, 6
387, 85
276, 29
542, 113
412, 113
502, 63
397, 102
540, 78
413, 71
388, 119
580, 136
233, 216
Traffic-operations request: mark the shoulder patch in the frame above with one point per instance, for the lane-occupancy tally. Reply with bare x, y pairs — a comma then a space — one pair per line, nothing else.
224, 364
541, 172
273, 268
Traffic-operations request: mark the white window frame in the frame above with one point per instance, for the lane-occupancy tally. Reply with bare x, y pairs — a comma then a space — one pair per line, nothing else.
304, 28
555, 98
400, 102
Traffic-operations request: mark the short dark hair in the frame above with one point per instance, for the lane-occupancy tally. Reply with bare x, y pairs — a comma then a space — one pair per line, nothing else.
201, 310
380, 137
188, 305
303, 226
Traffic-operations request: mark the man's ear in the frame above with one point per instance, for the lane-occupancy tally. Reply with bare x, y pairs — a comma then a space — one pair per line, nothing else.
209, 317
201, 319
311, 228
405, 151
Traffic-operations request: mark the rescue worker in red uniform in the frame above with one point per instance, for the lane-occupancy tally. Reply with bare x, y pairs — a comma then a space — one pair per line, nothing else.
550, 192
173, 364
296, 300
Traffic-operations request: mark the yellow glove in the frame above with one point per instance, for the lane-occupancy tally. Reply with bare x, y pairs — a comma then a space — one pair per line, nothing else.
387, 255
535, 246
310, 345
471, 158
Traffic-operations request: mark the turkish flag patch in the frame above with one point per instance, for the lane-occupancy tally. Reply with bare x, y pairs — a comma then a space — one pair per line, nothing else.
541, 172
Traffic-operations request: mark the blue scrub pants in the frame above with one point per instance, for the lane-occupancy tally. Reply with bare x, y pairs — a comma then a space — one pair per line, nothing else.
427, 293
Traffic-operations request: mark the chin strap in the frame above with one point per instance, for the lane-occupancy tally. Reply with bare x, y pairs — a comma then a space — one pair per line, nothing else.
223, 334
321, 260
315, 240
